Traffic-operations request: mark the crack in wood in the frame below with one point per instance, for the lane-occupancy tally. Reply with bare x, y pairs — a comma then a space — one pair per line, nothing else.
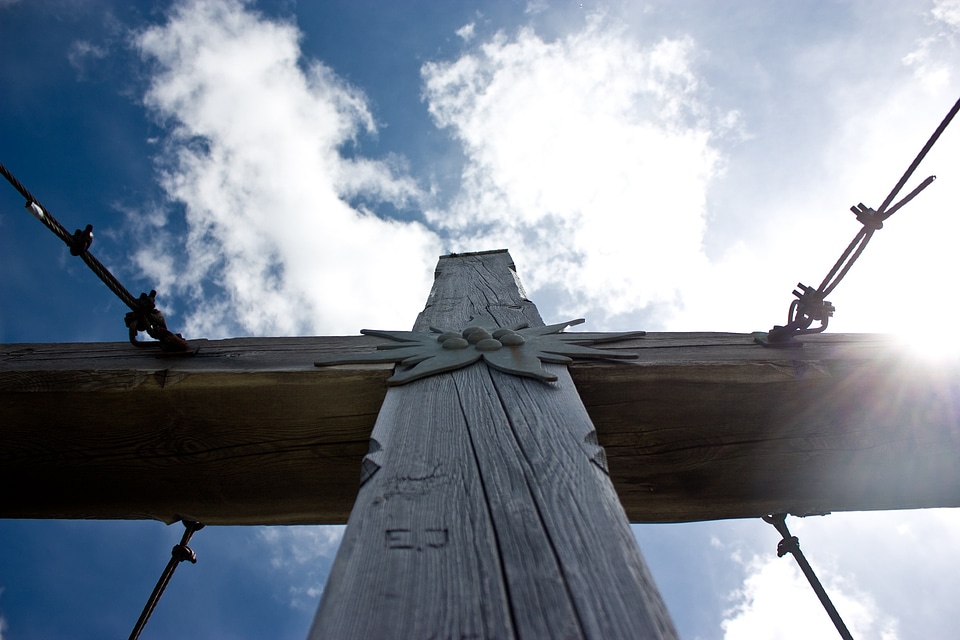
487, 500
530, 478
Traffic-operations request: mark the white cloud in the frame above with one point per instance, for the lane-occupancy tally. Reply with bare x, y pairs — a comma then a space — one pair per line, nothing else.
254, 155
294, 545
948, 12
81, 50
606, 167
466, 32
536, 6
588, 156
596, 159
929, 64
777, 602
886, 572
303, 554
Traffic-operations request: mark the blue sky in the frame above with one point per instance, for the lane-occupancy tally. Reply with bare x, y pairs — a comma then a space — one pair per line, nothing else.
296, 168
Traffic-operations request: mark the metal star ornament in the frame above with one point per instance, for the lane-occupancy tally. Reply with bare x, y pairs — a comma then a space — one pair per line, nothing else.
518, 350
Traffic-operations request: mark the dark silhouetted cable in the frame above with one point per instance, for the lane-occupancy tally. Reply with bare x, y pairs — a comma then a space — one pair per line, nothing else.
144, 315
791, 544
811, 304
179, 553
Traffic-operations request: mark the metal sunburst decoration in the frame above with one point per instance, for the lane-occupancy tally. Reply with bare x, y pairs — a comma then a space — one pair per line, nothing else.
517, 350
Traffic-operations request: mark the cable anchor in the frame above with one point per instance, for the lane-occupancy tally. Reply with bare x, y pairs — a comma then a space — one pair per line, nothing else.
804, 311
147, 318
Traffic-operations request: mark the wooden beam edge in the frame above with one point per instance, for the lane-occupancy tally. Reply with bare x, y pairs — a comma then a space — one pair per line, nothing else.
112, 375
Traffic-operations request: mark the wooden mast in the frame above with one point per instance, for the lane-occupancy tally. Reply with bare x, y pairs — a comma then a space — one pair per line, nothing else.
486, 510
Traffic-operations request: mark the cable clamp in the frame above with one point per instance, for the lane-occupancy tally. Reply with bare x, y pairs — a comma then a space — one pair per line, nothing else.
807, 308
35, 210
788, 545
867, 217
81, 240
147, 318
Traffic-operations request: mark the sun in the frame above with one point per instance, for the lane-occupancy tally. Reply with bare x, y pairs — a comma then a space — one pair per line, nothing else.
925, 347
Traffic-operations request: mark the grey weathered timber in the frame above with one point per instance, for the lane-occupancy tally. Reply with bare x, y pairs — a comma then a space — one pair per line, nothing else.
485, 509
700, 426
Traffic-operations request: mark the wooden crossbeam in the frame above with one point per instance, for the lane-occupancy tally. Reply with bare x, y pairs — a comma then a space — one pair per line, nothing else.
701, 426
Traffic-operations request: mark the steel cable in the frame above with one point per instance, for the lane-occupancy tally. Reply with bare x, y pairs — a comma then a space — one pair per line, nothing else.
791, 544
144, 315
811, 304
180, 553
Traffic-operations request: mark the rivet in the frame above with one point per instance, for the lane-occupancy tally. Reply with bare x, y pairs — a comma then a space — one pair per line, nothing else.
512, 340
488, 344
455, 343
470, 330
477, 336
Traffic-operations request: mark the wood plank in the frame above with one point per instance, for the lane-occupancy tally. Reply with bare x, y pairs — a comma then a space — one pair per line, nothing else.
552, 444
847, 423
419, 544
701, 426
234, 435
498, 468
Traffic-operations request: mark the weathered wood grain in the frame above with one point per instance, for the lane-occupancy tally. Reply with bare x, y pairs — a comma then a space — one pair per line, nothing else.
233, 435
487, 515
550, 443
846, 423
419, 557
248, 431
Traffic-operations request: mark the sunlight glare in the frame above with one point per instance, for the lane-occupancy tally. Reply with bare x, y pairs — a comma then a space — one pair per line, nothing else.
937, 346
